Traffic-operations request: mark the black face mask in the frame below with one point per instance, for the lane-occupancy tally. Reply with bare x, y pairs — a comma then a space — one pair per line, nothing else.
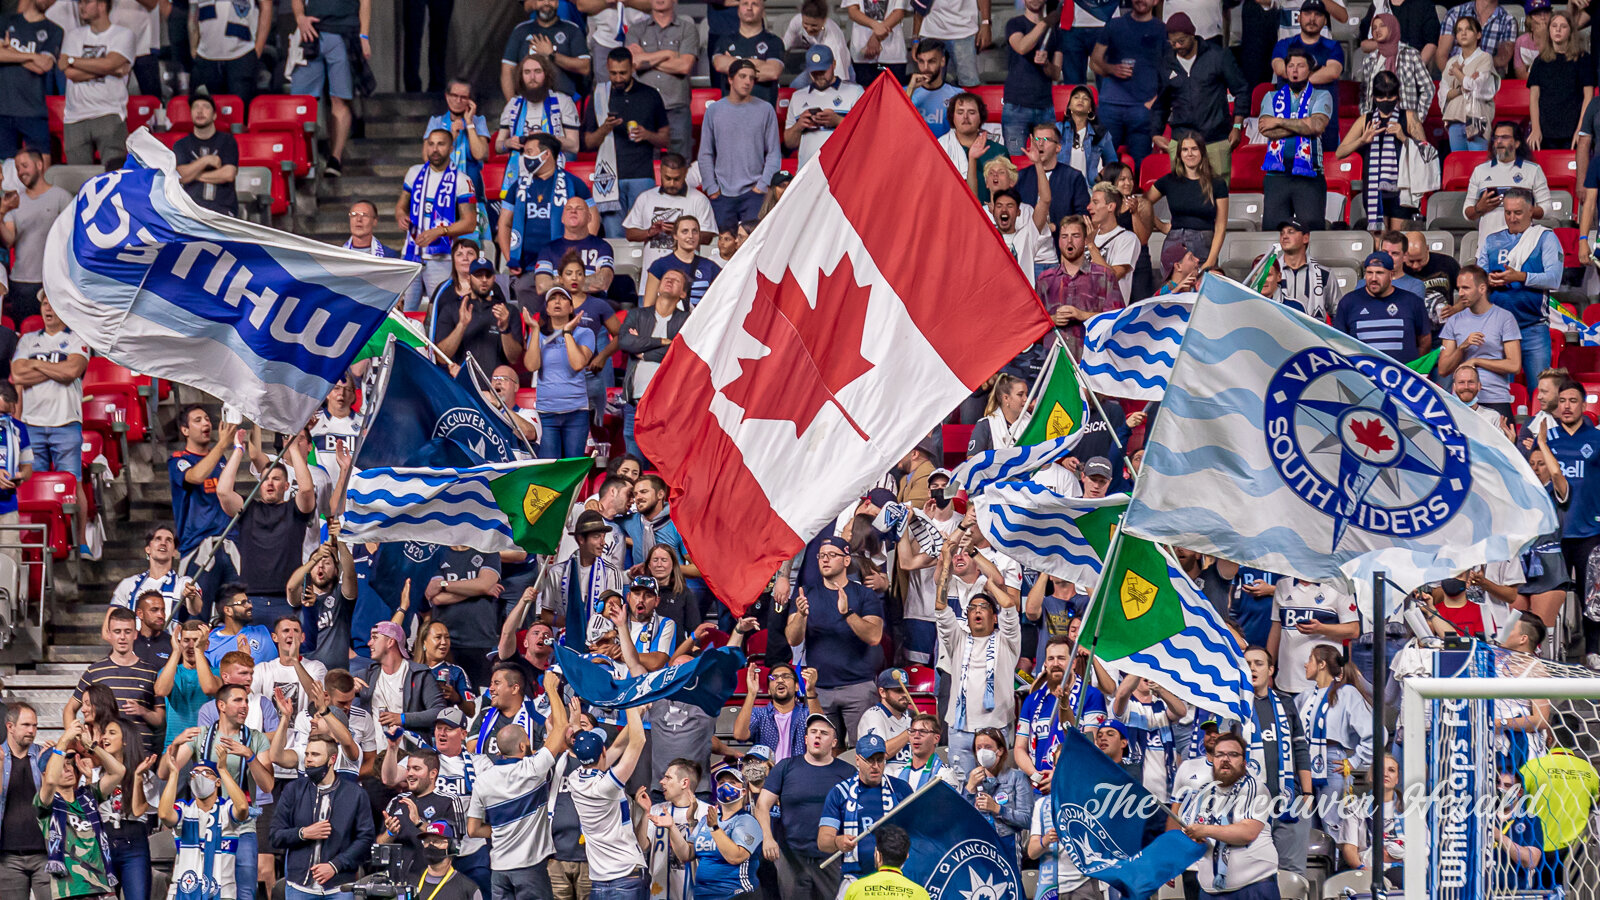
317, 773
434, 855
1386, 106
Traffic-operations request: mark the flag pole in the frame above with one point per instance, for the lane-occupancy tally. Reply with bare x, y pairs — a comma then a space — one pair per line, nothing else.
482, 379
208, 553
893, 811
1035, 391
1083, 387
1379, 639
1096, 605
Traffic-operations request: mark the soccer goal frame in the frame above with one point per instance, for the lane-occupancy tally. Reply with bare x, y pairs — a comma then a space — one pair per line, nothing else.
1566, 694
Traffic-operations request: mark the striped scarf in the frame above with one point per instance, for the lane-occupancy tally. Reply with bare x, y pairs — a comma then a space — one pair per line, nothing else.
56, 835
1314, 717
990, 650
428, 212
1283, 730
1300, 160
851, 823
548, 120
1383, 163
669, 878
917, 777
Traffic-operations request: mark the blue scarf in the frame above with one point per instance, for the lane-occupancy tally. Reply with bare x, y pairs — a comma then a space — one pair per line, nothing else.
524, 206
376, 249
461, 160
56, 836
1299, 147
521, 128
210, 842
1315, 719
989, 653
851, 823
1283, 728
429, 212
527, 719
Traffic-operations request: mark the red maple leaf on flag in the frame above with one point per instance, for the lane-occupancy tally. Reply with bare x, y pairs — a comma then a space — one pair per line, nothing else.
814, 351
1369, 434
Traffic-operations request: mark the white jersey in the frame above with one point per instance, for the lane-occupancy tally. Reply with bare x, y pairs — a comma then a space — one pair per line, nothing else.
274, 674
1297, 601
200, 831
601, 800
458, 775
171, 587
510, 797
880, 722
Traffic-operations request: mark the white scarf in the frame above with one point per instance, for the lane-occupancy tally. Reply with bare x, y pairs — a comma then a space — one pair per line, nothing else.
1525, 246
666, 884
1002, 434
607, 190
1314, 719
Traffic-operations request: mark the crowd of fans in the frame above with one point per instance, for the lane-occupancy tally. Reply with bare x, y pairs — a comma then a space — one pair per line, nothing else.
263, 702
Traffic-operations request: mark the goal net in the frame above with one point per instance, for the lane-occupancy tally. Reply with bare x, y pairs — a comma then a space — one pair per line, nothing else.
1499, 786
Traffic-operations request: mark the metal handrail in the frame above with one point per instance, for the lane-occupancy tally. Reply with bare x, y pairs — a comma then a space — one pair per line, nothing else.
46, 560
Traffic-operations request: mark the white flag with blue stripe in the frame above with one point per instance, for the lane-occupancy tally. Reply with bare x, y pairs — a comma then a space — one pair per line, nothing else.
1129, 352
1043, 530
262, 319
1287, 446
1005, 463
489, 507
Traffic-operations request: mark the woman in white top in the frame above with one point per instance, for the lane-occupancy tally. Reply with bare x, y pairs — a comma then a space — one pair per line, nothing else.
1467, 89
1337, 715
1002, 416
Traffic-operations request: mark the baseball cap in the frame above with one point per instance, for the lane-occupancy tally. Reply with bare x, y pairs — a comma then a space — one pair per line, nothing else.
1380, 259
1097, 465
819, 717
838, 543
1453, 586
587, 746
395, 633
1314, 6
780, 178
1117, 725
481, 266
1296, 224
869, 745
940, 473
759, 751
645, 583
589, 522
818, 58
441, 828
452, 716
1533, 6
1180, 23
729, 770
887, 679
1172, 252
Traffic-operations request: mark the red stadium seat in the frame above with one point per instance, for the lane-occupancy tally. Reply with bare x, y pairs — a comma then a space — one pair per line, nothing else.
755, 644
94, 447
1154, 166
955, 439
1348, 168
56, 111
31, 323
169, 138
494, 175
790, 164
785, 96
1247, 162
1560, 169
527, 397
1456, 171
51, 498
1260, 93
699, 99
1569, 248
141, 109
230, 113
583, 170
1349, 99
292, 113
104, 378
717, 638
1511, 101
1591, 314
275, 151
993, 96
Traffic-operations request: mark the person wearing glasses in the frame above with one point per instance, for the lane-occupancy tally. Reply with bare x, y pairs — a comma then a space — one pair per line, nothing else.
1229, 816
925, 762
840, 624
1069, 192
363, 216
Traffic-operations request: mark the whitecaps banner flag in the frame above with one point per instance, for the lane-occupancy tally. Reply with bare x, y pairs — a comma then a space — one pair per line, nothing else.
1287, 446
262, 319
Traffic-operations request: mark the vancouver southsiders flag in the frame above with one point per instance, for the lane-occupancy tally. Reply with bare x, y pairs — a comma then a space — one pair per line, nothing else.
866, 306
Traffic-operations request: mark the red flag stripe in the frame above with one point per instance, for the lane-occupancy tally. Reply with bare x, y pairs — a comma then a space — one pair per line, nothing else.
979, 285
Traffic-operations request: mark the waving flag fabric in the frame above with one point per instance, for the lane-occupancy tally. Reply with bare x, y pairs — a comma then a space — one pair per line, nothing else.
1058, 409
264, 320
420, 416
1129, 352
827, 348
707, 681
1043, 530
1289, 447
955, 853
502, 506
1007, 463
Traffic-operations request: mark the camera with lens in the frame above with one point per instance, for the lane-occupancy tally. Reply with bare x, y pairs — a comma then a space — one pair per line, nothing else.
384, 881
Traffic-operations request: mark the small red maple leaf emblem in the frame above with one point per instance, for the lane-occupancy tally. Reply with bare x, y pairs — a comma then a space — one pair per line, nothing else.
813, 351
1370, 435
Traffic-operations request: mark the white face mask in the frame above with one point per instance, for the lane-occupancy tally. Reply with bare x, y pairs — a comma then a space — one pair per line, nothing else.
538, 161
202, 786
987, 758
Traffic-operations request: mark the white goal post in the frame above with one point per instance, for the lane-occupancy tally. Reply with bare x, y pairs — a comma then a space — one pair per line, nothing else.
1441, 719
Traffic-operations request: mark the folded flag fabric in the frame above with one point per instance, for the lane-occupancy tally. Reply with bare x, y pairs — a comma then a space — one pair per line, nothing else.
1129, 352
955, 852
1098, 822
1043, 530
707, 681
1290, 447
1006, 463
265, 320
1147, 618
494, 507
420, 416
1059, 407
405, 331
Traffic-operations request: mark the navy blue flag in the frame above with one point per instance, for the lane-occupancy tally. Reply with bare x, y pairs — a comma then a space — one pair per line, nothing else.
955, 852
420, 416
1100, 819
707, 681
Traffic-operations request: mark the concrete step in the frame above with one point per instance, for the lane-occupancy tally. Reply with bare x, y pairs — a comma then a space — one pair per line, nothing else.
74, 653
34, 681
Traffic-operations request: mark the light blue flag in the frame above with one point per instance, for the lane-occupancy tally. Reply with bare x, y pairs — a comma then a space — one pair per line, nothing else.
707, 681
1290, 447
1005, 463
264, 320
1043, 530
1099, 816
1129, 352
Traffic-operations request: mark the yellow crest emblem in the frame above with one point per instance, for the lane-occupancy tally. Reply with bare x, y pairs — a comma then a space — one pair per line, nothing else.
1138, 595
1059, 423
536, 501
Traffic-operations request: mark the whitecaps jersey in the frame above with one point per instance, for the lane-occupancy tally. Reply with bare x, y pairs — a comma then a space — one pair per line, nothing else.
510, 796
602, 804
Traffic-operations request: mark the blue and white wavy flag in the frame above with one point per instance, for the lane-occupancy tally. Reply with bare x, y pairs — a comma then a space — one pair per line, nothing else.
707, 681
1290, 447
265, 320
493, 507
1006, 463
1043, 530
1129, 352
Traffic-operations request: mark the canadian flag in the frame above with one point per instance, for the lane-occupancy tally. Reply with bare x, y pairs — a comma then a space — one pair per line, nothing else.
868, 304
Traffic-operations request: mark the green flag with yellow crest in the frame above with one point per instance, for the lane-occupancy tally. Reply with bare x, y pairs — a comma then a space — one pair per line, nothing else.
1060, 410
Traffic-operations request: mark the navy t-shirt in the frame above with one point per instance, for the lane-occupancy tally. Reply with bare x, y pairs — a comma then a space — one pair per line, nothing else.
1254, 614
1390, 324
1141, 43
1026, 81
1576, 453
801, 788
839, 656
195, 508
473, 622
700, 272
869, 809
762, 45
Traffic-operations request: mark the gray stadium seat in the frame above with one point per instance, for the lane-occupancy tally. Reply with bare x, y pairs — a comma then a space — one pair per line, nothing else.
1156, 242
1467, 250
1441, 242
1292, 886
1354, 879
1561, 213
1244, 212
1347, 279
70, 178
1444, 211
1340, 248
253, 184
627, 255
1240, 250
1337, 207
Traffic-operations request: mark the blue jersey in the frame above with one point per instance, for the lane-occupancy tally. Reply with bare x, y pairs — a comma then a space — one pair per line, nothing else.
595, 252
699, 272
14, 454
196, 511
869, 808
1576, 453
715, 878
1254, 614
262, 647
934, 106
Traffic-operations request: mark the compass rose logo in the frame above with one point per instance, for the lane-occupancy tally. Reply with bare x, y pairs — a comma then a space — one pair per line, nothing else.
1367, 442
